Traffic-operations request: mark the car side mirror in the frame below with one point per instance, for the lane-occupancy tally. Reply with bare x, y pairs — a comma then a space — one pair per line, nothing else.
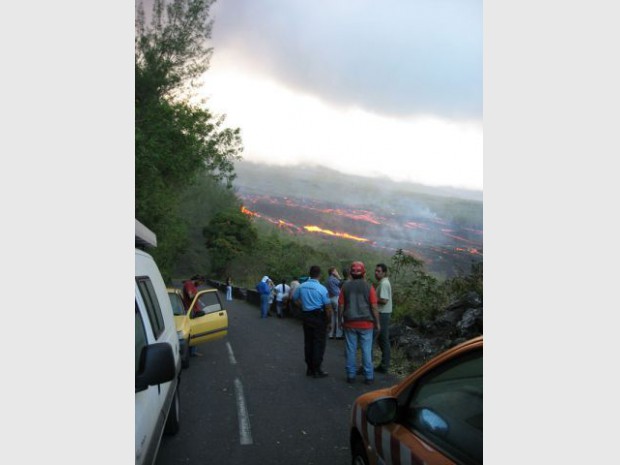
156, 366
382, 411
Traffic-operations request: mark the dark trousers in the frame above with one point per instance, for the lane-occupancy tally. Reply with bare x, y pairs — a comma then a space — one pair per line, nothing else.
315, 337
383, 339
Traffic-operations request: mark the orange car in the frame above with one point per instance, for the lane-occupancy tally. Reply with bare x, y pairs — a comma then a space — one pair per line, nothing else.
432, 417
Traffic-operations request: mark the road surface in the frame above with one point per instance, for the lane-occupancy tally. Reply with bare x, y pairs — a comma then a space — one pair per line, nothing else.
247, 399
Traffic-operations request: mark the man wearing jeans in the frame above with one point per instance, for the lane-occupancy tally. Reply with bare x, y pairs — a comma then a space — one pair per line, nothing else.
264, 290
357, 306
333, 290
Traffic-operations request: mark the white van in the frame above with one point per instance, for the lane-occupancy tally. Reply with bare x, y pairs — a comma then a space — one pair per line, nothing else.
158, 361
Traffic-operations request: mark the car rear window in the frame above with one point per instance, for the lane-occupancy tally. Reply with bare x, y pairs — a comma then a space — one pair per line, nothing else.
177, 304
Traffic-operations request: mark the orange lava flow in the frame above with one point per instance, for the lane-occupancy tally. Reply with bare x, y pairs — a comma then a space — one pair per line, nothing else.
332, 233
245, 211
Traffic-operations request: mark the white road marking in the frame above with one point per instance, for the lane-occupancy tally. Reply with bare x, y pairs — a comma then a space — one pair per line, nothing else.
231, 355
245, 433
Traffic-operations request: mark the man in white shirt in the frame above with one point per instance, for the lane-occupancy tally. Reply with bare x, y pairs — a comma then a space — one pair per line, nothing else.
282, 293
384, 299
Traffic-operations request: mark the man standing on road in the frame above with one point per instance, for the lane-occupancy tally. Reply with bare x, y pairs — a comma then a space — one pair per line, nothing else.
333, 290
358, 312
384, 301
229, 289
316, 316
264, 291
293, 287
282, 291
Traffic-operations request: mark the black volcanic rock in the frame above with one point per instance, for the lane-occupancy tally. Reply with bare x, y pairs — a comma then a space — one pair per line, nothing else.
457, 323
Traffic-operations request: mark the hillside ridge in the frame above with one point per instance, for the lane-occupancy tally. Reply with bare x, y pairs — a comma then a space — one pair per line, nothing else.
258, 178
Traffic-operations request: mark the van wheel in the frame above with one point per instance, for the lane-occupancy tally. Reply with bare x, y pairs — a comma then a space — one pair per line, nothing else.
185, 357
174, 415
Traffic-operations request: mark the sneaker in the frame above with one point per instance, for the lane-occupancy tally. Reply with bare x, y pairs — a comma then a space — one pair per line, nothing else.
197, 354
369, 381
320, 374
350, 380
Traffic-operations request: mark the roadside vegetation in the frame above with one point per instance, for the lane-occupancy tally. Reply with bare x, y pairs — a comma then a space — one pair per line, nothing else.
177, 142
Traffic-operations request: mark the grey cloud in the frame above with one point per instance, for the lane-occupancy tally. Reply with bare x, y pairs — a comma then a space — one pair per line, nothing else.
399, 57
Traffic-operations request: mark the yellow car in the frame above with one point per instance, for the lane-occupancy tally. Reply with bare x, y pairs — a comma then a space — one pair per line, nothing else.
203, 320
434, 416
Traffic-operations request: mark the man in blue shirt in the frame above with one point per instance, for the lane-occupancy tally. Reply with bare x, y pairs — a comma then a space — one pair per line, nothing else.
316, 316
264, 291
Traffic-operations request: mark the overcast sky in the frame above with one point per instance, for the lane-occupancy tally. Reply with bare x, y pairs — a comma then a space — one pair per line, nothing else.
390, 88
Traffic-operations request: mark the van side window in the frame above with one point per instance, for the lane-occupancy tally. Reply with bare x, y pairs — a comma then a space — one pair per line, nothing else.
152, 305
141, 341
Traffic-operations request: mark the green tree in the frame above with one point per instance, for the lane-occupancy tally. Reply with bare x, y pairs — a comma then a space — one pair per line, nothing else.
172, 49
199, 203
417, 294
176, 141
228, 235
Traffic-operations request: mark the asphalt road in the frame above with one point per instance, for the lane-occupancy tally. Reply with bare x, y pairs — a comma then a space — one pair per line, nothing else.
259, 370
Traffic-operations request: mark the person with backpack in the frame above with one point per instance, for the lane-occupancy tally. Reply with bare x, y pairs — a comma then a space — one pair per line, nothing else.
357, 305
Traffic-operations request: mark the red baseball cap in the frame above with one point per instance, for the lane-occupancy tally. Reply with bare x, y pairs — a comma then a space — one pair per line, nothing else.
357, 269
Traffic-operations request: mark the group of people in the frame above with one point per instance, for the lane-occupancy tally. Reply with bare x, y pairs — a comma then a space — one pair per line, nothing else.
348, 308
281, 293
351, 307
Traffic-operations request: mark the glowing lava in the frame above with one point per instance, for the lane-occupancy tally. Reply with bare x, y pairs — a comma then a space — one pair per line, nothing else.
332, 233
245, 211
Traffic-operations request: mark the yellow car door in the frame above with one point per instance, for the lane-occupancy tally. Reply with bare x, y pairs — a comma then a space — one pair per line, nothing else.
208, 320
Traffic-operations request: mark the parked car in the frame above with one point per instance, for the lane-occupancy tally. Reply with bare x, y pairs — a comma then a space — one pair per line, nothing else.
157, 357
203, 320
179, 309
434, 416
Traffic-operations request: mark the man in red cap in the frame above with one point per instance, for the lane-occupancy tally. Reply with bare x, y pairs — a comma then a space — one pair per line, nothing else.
357, 305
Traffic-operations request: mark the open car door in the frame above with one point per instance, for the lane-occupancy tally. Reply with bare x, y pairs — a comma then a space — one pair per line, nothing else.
208, 320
